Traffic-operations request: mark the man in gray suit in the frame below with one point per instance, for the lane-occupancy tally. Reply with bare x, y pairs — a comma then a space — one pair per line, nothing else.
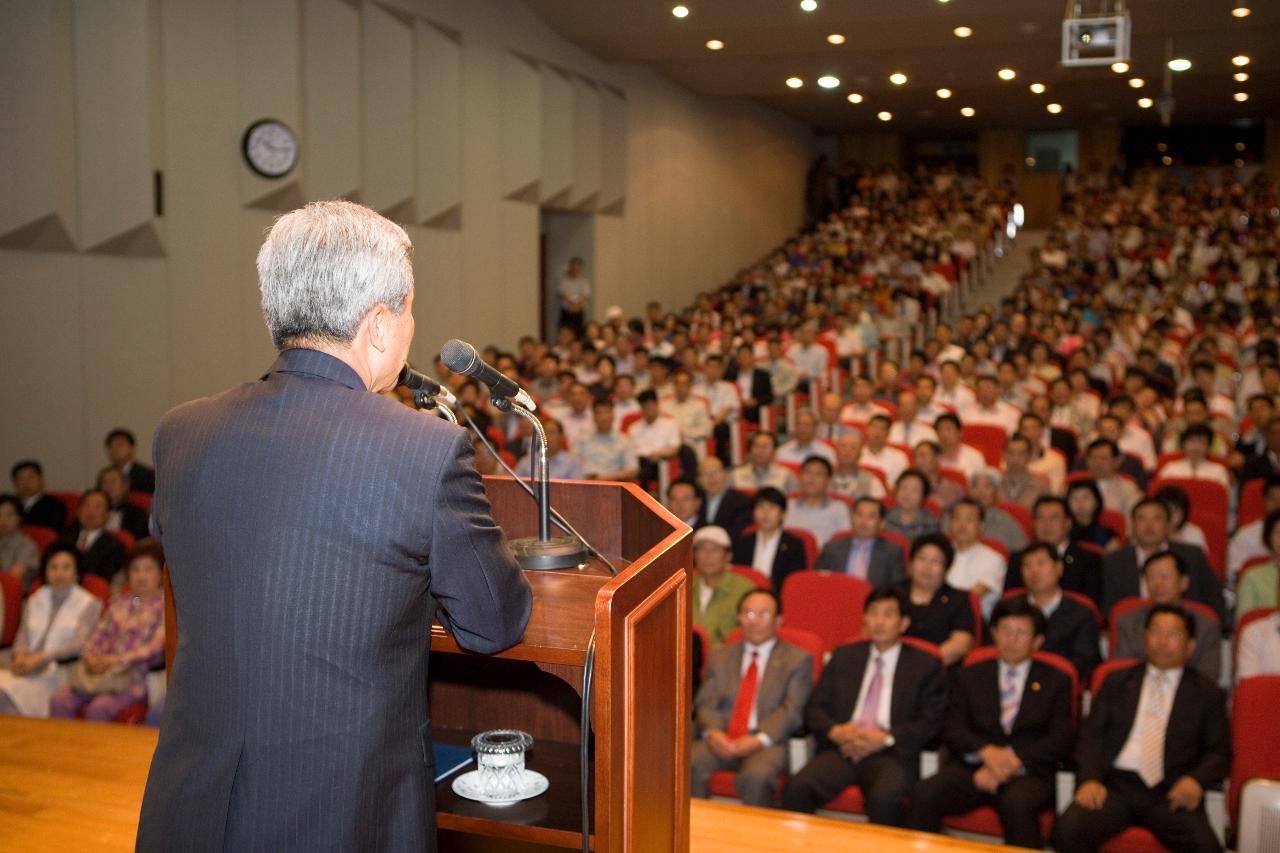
864, 554
309, 523
750, 703
1167, 577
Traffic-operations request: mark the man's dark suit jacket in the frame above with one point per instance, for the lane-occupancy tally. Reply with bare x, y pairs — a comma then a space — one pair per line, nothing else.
47, 512
142, 478
1041, 734
1081, 572
133, 520
886, 566
916, 706
308, 526
1257, 467
787, 559
1120, 573
733, 514
761, 390
1072, 631
1197, 742
105, 556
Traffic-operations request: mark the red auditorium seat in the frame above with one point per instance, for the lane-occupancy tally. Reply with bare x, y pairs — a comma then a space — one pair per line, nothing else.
42, 536
11, 590
1020, 514
1255, 749
756, 577
828, 604
987, 438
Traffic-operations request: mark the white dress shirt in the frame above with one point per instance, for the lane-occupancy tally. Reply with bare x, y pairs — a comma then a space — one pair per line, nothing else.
1131, 753
766, 550
979, 564
888, 668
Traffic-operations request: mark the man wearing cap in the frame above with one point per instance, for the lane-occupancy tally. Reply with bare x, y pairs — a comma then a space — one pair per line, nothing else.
752, 700
716, 590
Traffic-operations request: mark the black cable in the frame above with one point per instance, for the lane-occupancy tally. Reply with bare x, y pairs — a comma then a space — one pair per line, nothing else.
559, 520
584, 741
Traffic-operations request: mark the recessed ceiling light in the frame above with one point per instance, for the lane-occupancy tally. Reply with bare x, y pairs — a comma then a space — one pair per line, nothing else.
1241, 76
808, 5
827, 81
1240, 61
794, 82
1054, 108
968, 112
680, 11
1031, 162
1145, 103
1120, 67
897, 78
1239, 164
1136, 82
1180, 64
1037, 88
963, 32
943, 93
715, 44
1241, 11
1166, 160
854, 97
1239, 146
1241, 97
884, 115
1006, 73
835, 38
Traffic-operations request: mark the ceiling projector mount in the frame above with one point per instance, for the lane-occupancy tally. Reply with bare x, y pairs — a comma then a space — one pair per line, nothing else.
1095, 32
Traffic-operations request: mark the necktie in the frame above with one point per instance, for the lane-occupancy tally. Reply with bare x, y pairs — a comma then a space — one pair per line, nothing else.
1008, 700
1151, 741
739, 722
83, 542
871, 704
859, 558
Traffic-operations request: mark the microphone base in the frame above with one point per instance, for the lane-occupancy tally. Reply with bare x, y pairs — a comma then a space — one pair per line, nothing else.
533, 554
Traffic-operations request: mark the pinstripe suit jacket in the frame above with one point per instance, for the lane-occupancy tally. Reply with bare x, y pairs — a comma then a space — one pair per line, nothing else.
308, 524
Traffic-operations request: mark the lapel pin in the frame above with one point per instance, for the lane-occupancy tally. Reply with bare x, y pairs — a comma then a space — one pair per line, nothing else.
1035, 685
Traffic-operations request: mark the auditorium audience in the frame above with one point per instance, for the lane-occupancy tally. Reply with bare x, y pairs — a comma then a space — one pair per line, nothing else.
717, 591
1257, 586
878, 703
760, 470
1081, 567
1246, 543
1259, 652
864, 554
37, 508
766, 547
57, 620
101, 553
1071, 628
976, 568
121, 515
909, 517
18, 553
129, 638
121, 447
562, 464
997, 523
814, 509
751, 701
939, 613
1084, 501
848, 477
1166, 577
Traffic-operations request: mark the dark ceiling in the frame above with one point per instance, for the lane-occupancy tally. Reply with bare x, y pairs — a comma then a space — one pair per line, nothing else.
767, 41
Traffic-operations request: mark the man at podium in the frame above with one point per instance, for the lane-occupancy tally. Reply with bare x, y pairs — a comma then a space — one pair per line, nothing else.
309, 523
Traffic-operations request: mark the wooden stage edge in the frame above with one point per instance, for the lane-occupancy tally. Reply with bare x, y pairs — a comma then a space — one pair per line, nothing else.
73, 785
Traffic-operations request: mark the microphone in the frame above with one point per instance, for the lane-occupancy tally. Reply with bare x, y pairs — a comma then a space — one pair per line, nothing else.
419, 382
461, 357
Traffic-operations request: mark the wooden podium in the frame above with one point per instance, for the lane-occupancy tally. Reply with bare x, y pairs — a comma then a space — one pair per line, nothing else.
640, 698
640, 702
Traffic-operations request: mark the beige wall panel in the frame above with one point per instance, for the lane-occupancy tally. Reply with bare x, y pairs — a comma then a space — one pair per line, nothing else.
42, 384
37, 116
586, 144
387, 84
871, 149
557, 135
609, 274
257, 351
126, 376
269, 60
438, 113
115, 148
1001, 152
520, 113
438, 289
1100, 144
613, 148
330, 99
517, 294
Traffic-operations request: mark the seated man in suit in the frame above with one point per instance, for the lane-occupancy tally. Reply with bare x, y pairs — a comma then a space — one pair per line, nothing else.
101, 553
1081, 568
1122, 569
1070, 627
121, 447
1165, 576
716, 590
1008, 726
1156, 737
770, 549
122, 515
864, 554
37, 507
878, 702
722, 505
750, 703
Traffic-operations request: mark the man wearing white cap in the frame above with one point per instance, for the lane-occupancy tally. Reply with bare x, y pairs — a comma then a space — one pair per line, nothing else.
716, 590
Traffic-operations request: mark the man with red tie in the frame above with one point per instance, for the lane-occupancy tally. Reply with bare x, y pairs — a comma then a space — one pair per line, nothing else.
878, 702
750, 703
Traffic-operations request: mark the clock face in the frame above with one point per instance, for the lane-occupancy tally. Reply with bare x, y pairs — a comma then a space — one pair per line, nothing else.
270, 148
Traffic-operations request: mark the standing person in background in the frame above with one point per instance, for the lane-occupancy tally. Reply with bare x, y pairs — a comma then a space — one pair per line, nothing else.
574, 292
296, 716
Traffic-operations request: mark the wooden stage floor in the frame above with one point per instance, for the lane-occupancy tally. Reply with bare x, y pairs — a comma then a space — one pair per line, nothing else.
76, 786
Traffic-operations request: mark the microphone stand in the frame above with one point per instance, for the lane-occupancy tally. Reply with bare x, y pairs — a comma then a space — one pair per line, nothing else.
543, 552
424, 402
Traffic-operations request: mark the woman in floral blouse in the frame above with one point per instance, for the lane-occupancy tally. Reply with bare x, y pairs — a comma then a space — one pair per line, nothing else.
129, 637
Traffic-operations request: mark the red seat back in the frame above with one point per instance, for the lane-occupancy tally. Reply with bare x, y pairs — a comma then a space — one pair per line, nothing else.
1210, 504
1104, 669
1251, 506
996, 545
809, 542
828, 604
1118, 609
1021, 514
756, 577
987, 438
42, 536
1114, 520
142, 500
1255, 748
11, 592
